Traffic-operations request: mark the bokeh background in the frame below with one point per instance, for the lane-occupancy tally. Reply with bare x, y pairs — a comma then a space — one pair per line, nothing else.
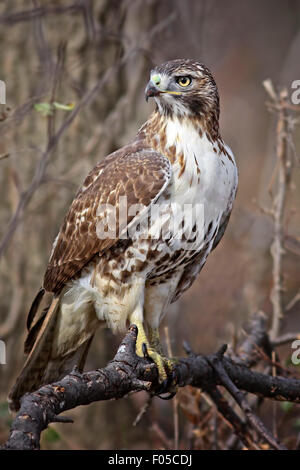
243, 43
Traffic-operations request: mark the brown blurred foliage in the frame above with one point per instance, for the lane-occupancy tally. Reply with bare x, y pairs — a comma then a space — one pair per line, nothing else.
243, 43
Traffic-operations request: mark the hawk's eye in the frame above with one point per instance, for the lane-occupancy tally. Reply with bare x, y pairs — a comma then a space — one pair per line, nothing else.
183, 81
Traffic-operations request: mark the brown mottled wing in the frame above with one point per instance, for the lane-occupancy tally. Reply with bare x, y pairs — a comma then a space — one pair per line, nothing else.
139, 174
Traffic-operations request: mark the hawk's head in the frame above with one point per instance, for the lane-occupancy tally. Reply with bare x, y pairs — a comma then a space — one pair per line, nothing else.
184, 88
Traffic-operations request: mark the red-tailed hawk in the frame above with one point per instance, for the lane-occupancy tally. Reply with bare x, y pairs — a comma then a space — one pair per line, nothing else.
129, 275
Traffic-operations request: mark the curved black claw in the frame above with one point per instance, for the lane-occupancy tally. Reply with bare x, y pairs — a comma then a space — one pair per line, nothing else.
165, 385
168, 397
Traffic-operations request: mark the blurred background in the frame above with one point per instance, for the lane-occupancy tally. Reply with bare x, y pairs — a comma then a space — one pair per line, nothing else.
58, 51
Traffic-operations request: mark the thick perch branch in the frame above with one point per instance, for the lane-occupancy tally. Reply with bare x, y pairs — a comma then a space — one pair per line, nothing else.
128, 373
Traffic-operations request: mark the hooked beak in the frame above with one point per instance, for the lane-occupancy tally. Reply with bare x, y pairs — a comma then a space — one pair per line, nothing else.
151, 90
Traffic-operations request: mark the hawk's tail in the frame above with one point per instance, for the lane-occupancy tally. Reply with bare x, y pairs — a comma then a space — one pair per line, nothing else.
41, 366
38, 345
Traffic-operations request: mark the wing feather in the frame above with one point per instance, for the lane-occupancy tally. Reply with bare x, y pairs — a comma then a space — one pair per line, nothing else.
139, 174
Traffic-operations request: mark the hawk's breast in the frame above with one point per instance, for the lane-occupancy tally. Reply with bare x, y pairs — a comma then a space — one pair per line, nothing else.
200, 194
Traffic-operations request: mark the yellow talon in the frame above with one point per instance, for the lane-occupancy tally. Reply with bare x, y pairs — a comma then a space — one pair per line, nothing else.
152, 348
141, 339
160, 362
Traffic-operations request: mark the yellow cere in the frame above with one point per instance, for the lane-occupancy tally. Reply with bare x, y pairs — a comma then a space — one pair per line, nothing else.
156, 79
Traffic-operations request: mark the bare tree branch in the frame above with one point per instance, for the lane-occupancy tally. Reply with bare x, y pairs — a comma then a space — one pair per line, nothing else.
128, 373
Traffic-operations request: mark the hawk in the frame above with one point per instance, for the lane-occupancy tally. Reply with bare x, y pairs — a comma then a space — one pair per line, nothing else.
130, 275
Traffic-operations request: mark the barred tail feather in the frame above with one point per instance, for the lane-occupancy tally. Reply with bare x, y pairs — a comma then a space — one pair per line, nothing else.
33, 371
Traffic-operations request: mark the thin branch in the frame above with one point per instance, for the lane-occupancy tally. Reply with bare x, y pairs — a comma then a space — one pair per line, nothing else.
284, 339
284, 164
253, 420
248, 352
238, 426
293, 301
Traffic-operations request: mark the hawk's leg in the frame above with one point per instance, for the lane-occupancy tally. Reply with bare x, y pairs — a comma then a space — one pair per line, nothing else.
156, 345
154, 340
167, 383
152, 348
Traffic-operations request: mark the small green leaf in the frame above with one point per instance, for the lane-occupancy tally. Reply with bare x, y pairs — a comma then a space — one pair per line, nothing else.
45, 109
64, 107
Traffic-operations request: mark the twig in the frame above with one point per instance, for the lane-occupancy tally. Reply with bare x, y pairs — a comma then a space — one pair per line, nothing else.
161, 435
143, 410
248, 352
254, 421
284, 339
283, 171
233, 420
293, 302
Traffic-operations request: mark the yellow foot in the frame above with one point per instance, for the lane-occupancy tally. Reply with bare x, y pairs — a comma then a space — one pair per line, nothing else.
153, 350
165, 369
163, 364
